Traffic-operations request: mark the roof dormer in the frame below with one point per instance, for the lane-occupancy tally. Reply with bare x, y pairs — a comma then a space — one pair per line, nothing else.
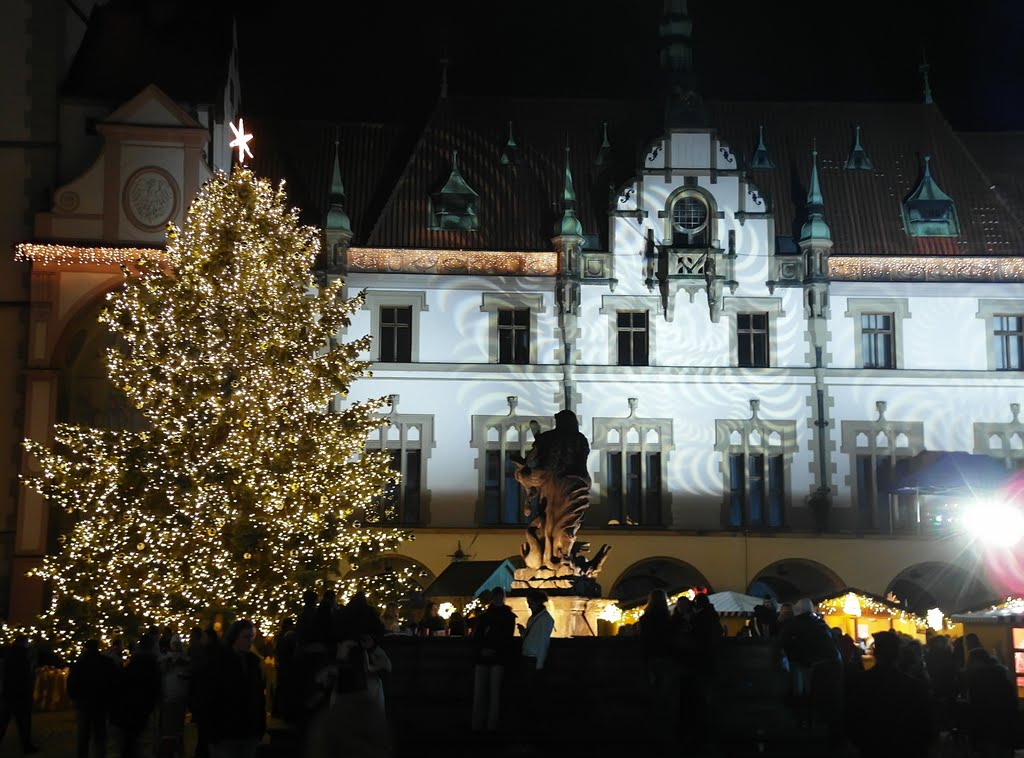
930, 212
454, 207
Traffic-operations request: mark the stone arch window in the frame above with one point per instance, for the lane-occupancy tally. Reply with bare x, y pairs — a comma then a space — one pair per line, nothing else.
1002, 440
756, 458
632, 469
497, 440
874, 448
409, 437
691, 215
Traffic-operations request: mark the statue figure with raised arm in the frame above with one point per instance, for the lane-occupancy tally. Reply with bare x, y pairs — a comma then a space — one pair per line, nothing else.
555, 478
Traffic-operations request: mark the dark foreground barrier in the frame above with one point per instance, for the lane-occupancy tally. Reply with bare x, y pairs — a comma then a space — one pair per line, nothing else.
595, 700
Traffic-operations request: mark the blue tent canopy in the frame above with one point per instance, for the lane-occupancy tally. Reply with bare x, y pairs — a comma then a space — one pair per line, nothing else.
941, 473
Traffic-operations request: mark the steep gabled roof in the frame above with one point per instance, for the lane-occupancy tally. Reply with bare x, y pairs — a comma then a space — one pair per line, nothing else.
863, 207
371, 157
389, 177
519, 204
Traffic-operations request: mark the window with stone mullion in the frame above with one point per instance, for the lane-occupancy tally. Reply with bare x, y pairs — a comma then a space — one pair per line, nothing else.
1008, 338
632, 338
514, 336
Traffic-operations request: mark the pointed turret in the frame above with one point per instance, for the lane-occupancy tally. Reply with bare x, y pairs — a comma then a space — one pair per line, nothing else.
337, 225
815, 243
569, 226
814, 227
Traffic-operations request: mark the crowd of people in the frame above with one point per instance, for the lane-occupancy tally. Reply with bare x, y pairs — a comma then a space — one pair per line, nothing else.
324, 673
898, 692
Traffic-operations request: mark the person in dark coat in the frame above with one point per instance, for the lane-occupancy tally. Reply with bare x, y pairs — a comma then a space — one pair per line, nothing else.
659, 643
138, 695
91, 686
237, 706
885, 707
815, 665
19, 681
991, 705
359, 618
431, 623
200, 662
494, 639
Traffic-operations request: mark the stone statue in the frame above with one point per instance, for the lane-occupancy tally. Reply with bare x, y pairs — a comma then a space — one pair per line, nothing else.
554, 476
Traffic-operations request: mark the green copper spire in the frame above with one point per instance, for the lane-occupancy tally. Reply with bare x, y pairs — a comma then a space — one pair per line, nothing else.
510, 155
570, 226
924, 68
858, 158
761, 158
814, 227
456, 185
604, 153
337, 219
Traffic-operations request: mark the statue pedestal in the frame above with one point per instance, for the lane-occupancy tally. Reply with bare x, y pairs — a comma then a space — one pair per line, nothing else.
575, 616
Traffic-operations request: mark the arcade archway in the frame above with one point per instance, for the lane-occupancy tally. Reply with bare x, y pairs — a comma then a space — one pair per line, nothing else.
935, 584
664, 573
793, 578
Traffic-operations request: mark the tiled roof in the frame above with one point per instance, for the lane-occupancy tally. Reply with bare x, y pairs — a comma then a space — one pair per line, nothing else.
1001, 157
862, 208
519, 205
302, 153
388, 184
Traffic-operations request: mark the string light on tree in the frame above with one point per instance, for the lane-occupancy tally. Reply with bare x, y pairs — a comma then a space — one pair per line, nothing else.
242, 483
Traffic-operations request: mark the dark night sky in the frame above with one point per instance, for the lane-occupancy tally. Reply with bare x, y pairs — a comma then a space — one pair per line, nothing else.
351, 61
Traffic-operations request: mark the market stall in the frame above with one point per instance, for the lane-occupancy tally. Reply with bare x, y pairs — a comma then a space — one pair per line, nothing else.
1000, 630
860, 614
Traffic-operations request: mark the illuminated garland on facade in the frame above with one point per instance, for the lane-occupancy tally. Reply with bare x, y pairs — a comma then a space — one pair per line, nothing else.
70, 255
925, 269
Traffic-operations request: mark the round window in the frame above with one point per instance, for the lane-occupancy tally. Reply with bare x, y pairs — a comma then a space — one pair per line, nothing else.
689, 214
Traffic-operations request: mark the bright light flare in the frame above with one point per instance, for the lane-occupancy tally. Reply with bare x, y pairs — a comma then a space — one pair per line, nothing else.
995, 523
445, 610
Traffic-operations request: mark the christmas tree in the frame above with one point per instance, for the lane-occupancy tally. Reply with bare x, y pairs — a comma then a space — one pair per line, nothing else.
246, 480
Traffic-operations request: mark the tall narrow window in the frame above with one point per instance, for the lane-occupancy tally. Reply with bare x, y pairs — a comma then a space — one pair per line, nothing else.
752, 340
408, 438
634, 488
875, 450
757, 488
878, 340
514, 336
1008, 342
395, 334
502, 498
499, 440
632, 338
401, 499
